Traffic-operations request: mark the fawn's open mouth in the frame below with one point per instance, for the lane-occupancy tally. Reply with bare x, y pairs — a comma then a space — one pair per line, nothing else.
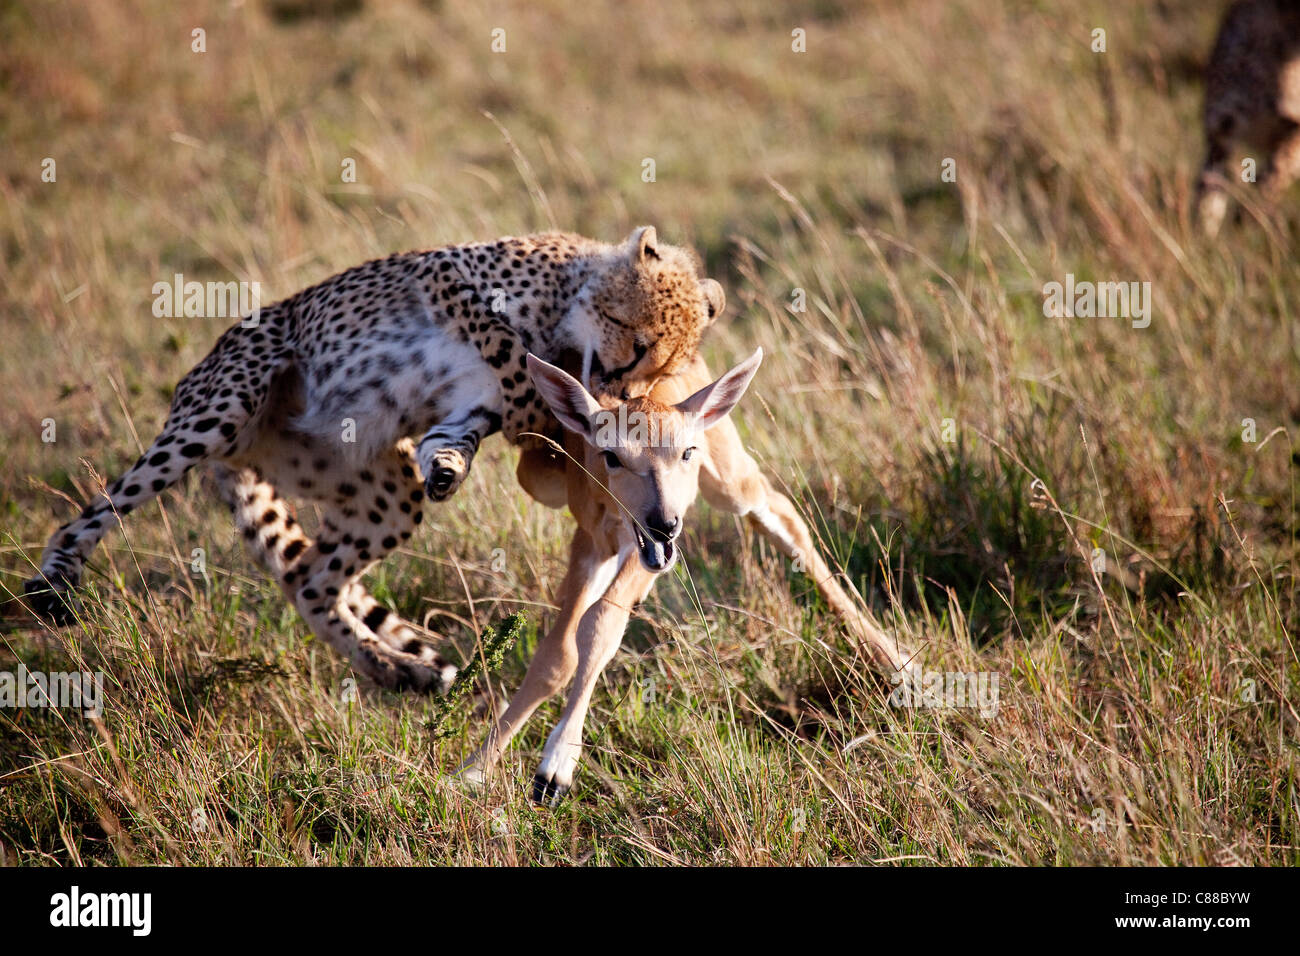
656, 555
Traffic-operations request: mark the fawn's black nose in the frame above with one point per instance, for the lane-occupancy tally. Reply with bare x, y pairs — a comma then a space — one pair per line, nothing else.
660, 527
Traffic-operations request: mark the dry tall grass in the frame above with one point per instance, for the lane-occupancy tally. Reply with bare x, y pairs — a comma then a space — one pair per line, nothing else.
1147, 713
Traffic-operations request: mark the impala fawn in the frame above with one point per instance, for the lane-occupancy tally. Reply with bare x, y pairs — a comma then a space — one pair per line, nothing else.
634, 468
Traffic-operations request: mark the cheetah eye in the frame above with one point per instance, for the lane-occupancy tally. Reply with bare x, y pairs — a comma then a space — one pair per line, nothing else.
611, 461
686, 455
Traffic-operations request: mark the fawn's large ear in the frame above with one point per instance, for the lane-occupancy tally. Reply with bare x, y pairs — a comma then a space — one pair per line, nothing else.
571, 403
714, 297
643, 244
712, 403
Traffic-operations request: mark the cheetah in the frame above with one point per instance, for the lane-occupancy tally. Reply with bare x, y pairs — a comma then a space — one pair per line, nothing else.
1252, 97
322, 396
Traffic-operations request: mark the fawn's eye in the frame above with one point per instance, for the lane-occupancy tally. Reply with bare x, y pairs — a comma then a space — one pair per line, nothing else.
611, 460
686, 455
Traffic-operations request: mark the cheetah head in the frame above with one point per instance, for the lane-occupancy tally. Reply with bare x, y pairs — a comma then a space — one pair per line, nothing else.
641, 314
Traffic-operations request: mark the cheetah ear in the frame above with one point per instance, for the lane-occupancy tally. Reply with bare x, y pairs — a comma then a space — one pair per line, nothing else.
571, 403
643, 244
714, 296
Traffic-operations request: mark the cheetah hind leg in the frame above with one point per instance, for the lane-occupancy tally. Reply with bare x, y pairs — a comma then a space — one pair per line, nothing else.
321, 578
374, 640
276, 540
398, 634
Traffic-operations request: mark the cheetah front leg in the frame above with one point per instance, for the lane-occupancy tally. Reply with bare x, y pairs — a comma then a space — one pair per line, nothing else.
1211, 202
447, 450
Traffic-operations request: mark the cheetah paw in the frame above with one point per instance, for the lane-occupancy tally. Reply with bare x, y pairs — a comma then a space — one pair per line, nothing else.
51, 599
405, 673
448, 470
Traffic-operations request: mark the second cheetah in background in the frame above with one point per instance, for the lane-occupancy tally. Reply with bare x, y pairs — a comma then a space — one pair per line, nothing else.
1252, 99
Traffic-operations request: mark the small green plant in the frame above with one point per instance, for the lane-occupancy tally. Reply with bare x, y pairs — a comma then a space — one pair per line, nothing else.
494, 645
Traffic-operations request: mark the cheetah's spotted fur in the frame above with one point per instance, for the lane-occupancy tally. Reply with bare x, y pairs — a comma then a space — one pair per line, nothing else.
429, 344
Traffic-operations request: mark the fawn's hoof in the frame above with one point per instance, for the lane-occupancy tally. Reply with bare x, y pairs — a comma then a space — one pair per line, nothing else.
547, 792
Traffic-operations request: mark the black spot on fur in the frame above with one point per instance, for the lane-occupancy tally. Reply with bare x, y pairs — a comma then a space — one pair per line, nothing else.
378, 614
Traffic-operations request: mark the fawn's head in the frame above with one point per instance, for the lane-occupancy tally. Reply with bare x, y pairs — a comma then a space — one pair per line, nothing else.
647, 449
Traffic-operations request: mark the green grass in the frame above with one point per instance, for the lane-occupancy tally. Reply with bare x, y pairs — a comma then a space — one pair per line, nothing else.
1154, 699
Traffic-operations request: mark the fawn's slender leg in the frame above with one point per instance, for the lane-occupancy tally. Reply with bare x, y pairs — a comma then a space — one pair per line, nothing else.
589, 575
731, 481
600, 632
